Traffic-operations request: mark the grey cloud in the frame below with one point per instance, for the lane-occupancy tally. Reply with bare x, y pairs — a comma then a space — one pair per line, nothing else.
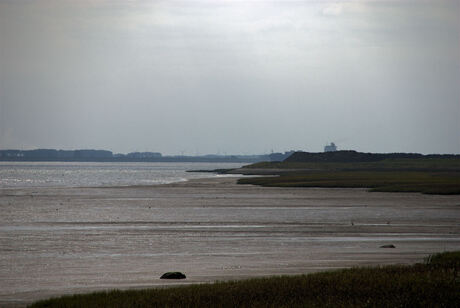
238, 77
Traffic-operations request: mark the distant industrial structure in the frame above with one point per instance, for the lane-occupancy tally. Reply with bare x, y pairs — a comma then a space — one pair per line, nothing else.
330, 148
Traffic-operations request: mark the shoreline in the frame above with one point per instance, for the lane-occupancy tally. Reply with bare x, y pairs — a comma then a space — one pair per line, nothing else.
209, 228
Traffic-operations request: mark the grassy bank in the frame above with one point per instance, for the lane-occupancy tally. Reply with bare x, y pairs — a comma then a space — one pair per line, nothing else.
425, 175
407, 164
387, 181
435, 283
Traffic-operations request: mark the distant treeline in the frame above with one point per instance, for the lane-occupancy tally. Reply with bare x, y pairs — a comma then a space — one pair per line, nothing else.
108, 156
91, 155
52, 155
353, 157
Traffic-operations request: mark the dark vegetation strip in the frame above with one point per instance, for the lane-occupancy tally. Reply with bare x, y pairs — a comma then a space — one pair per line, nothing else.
429, 175
435, 283
387, 181
407, 164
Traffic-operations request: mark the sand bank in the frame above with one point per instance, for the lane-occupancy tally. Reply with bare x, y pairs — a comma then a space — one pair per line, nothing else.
64, 240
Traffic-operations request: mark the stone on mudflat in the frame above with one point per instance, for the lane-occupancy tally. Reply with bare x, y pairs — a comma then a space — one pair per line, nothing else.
388, 246
173, 275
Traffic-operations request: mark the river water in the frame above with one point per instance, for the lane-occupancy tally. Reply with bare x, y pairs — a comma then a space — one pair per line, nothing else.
79, 174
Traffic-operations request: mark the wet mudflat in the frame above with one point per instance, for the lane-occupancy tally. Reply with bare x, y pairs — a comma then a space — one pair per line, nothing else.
56, 241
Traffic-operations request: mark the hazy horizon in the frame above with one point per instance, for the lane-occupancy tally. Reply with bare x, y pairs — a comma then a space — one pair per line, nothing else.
230, 77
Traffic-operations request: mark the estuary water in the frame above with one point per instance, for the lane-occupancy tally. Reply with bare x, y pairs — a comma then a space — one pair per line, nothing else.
95, 174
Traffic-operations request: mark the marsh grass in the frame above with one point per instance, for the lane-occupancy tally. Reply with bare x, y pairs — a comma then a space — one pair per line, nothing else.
406, 164
435, 283
384, 181
435, 175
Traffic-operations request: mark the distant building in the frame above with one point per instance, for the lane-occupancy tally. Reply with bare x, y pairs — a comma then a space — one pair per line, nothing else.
330, 148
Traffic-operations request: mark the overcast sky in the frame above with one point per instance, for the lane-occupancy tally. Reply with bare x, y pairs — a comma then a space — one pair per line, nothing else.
234, 77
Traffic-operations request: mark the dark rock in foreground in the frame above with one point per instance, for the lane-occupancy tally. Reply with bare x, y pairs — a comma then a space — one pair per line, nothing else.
173, 275
388, 246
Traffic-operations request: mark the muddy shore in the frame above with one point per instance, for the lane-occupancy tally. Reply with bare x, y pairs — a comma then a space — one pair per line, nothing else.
57, 241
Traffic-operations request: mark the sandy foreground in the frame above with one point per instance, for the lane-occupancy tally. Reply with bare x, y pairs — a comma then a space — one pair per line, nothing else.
56, 241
